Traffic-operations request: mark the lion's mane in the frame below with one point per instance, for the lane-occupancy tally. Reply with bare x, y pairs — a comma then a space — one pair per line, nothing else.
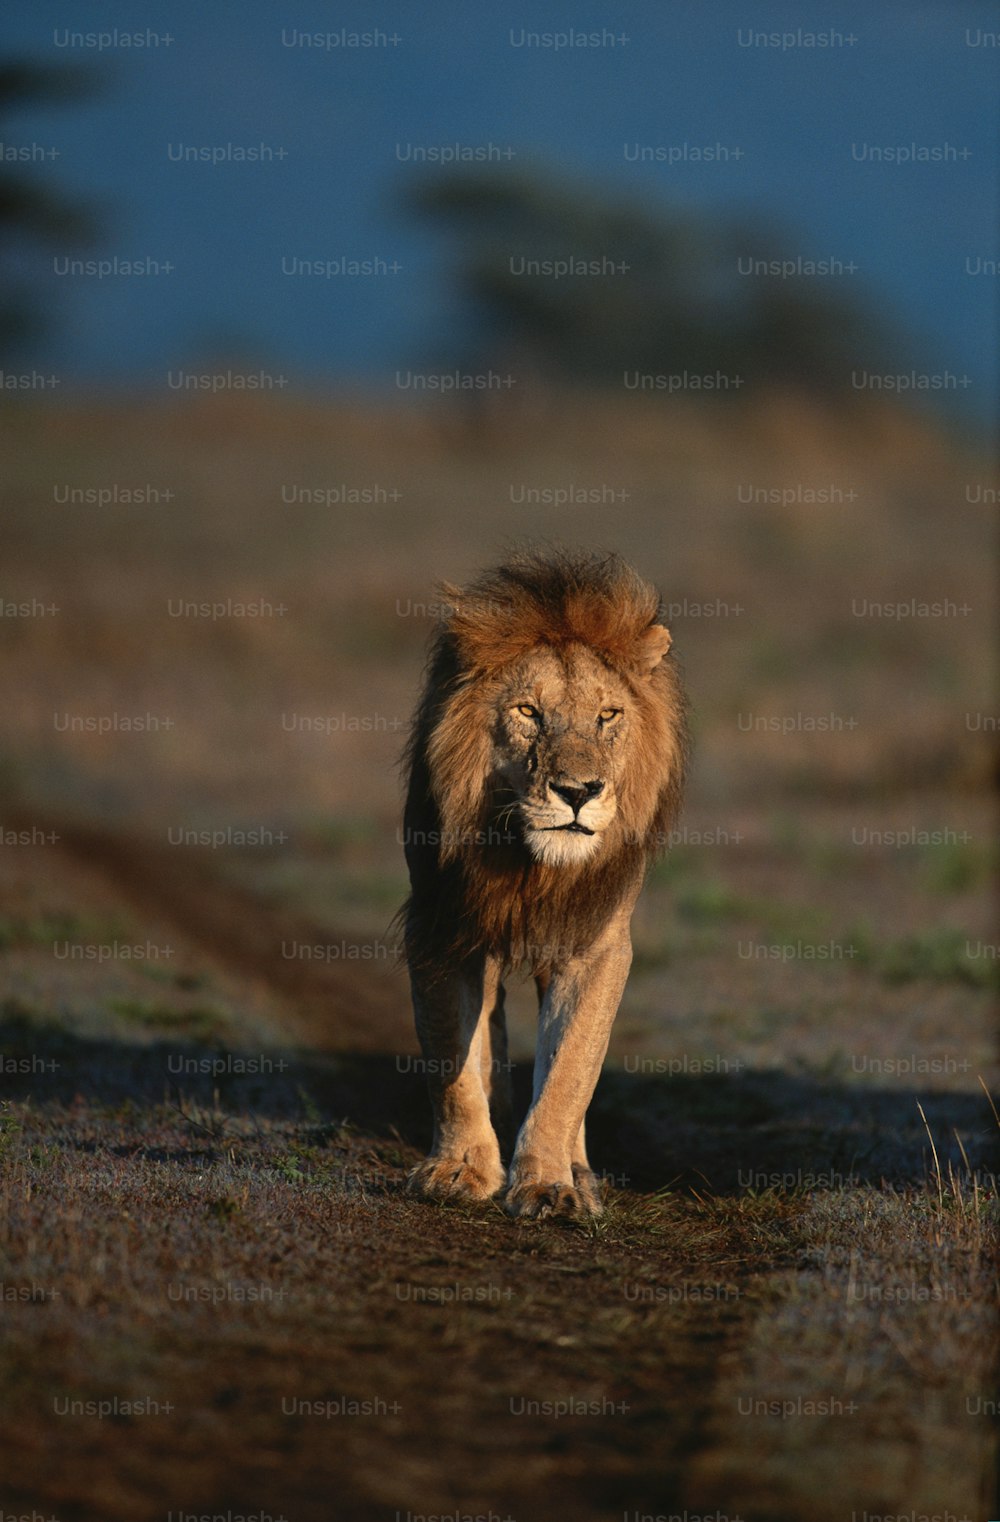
474, 885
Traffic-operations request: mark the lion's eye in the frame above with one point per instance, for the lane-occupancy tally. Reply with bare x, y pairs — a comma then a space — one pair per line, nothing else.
528, 711
607, 714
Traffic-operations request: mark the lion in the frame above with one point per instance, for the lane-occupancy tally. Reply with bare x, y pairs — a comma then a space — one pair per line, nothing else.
545, 770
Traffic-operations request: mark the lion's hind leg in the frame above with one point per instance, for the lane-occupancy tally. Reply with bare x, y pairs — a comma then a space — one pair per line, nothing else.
496, 1068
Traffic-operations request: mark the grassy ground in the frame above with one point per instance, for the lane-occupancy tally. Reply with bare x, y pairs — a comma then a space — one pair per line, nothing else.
788, 1308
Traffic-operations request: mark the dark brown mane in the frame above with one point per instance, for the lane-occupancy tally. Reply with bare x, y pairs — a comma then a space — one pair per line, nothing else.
474, 884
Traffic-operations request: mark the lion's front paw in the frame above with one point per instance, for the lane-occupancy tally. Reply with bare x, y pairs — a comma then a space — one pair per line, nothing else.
532, 1197
473, 1176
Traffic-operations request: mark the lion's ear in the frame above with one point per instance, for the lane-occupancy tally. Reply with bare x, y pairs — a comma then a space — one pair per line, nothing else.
653, 646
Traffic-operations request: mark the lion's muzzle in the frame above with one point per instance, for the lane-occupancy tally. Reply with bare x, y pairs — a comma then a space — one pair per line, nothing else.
577, 795
565, 822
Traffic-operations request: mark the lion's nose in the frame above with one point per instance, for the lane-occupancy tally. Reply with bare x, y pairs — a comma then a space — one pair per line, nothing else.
577, 794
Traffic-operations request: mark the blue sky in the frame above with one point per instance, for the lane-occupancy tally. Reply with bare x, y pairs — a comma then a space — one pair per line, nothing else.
912, 75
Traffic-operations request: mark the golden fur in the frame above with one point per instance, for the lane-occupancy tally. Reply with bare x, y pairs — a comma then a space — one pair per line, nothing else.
546, 767
475, 884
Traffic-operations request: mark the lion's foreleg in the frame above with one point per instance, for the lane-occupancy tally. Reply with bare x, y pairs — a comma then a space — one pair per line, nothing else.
549, 1172
453, 1015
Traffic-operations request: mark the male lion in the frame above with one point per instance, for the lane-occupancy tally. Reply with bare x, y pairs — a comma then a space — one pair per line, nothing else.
545, 768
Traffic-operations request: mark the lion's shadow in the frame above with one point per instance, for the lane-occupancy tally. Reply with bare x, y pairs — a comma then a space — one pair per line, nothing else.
755, 1130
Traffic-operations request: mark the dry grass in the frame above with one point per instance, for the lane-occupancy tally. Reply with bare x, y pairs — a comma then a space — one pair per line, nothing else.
202, 1155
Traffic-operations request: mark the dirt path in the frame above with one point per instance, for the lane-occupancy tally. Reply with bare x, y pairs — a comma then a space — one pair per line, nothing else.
329, 1347
453, 1326
335, 1006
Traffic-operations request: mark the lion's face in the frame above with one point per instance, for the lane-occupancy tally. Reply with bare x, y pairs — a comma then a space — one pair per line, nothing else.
561, 738
550, 707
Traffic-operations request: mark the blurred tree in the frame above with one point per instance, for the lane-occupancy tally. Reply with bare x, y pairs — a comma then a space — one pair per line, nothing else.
29, 208
674, 297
